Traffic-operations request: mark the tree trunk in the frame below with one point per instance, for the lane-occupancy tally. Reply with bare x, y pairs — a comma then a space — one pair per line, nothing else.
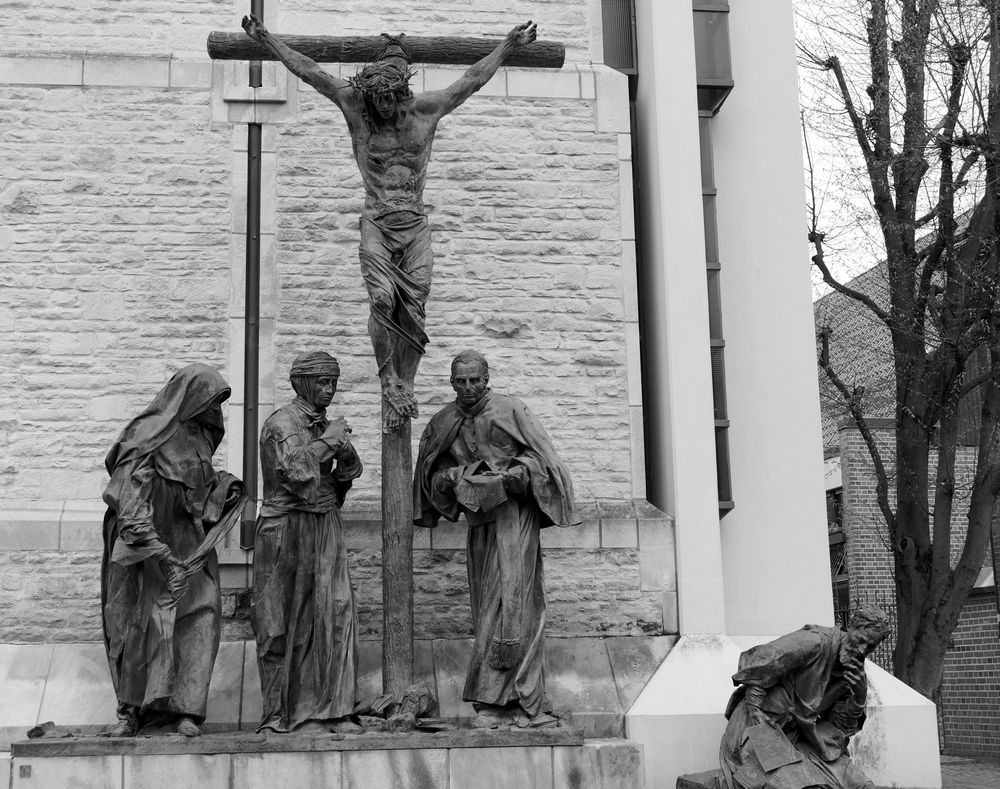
397, 559
918, 659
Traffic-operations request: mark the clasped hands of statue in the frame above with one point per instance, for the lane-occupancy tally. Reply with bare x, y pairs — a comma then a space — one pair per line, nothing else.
336, 437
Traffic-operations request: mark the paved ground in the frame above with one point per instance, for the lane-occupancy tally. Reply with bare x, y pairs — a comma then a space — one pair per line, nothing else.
959, 773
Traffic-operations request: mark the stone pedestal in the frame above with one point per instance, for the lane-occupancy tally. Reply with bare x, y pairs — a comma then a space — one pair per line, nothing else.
539, 759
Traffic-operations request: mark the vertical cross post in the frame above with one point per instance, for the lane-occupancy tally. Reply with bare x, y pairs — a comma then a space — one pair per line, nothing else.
251, 312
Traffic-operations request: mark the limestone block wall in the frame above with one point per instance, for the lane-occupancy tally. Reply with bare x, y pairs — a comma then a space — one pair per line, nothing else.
613, 575
115, 269
122, 188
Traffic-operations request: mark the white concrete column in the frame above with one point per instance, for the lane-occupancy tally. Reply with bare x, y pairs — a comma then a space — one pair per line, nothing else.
774, 543
673, 285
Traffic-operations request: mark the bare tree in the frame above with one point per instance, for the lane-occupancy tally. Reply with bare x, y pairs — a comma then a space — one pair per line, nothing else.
925, 127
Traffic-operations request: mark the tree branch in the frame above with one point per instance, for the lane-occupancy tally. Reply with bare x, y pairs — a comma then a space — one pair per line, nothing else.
819, 260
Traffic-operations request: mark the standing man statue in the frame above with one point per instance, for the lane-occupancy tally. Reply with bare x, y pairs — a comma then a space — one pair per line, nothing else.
392, 131
303, 612
487, 456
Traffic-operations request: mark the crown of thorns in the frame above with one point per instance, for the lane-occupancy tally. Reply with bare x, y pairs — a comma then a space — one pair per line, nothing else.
378, 78
385, 76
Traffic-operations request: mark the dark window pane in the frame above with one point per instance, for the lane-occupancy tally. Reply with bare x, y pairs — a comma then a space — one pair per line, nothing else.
719, 382
711, 230
722, 463
712, 59
707, 167
619, 35
711, 47
714, 306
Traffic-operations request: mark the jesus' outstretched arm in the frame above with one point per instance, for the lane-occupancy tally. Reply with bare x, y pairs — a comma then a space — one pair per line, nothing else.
305, 68
441, 102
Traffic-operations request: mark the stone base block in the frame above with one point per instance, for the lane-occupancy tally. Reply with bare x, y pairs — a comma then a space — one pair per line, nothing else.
543, 759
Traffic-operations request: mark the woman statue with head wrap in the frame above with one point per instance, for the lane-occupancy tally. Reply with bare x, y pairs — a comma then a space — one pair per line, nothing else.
167, 508
303, 610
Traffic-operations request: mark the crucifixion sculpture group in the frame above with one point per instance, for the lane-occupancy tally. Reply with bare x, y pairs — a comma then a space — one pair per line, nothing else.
484, 457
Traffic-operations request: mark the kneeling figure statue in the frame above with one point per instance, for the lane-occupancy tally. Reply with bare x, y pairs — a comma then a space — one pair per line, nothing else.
800, 699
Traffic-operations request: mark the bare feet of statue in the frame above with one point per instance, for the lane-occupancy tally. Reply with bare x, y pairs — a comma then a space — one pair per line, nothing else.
344, 726
402, 405
188, 727
314, 728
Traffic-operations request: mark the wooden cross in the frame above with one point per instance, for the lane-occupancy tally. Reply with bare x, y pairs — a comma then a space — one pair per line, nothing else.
397, 463
437, 50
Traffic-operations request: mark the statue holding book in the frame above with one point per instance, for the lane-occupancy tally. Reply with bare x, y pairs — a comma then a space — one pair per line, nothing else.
487, 457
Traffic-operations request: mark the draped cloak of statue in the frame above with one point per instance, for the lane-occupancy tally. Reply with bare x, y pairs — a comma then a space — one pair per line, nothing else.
504, 553
303, 610
162, 498
805, 690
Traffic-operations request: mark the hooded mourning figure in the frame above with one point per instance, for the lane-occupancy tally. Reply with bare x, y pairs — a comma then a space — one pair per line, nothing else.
303, 613
487, 457
160, 594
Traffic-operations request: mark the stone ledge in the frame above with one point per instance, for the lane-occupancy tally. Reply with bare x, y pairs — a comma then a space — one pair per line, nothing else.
245, 742
98, 69
76, 525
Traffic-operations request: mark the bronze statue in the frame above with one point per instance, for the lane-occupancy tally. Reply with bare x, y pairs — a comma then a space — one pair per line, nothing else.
303, 612
800, 699
167, 510
392, 131
487, 456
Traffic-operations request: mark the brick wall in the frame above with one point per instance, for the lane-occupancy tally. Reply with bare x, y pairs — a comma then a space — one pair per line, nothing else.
970, 695
866, 553
868, 559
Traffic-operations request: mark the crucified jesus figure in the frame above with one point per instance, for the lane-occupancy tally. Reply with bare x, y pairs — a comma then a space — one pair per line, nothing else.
392, 131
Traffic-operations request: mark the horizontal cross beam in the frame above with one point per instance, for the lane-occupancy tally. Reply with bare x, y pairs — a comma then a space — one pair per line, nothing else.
439, 50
